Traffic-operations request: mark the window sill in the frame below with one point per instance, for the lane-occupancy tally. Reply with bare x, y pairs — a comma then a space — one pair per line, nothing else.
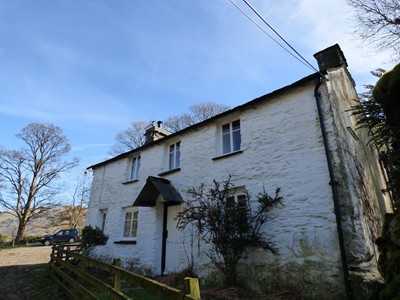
130, 181
169, 172
227, 155
125, 242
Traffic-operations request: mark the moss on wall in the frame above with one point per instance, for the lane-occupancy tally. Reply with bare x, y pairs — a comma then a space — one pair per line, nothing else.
389, 261
314, 273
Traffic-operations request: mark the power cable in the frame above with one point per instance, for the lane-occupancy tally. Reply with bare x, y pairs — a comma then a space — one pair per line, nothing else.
303, 60
276, 32
266, 32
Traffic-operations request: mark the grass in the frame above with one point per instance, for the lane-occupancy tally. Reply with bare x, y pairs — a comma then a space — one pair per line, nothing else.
6, 243
136, 293
9, 246
41, 284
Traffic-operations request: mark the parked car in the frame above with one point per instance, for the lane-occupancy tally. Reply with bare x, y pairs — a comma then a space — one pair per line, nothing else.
62, 236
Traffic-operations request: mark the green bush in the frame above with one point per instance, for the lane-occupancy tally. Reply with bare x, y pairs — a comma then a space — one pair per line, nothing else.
92, 237
5, 239
29, 239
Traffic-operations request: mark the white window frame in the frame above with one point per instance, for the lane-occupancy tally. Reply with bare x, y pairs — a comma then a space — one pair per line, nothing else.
174, 156
103, 219
135, 167
231, 139
130, 225
241, 200
237, 198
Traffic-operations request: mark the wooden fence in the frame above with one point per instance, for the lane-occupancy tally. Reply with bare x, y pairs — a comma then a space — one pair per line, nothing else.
82, 277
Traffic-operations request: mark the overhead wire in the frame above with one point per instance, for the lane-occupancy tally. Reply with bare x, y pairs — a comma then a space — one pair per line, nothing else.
266, 32
299, 57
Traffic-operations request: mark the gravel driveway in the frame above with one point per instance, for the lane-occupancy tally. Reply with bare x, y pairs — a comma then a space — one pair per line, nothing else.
31, 255
15, 265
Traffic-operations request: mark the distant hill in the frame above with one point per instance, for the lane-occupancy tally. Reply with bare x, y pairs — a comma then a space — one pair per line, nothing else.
36, 227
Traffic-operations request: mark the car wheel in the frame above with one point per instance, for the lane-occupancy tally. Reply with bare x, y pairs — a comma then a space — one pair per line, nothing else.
71, 240
47, 243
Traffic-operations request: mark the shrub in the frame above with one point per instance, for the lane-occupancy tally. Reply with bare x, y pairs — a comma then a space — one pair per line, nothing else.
228, 224
92, 237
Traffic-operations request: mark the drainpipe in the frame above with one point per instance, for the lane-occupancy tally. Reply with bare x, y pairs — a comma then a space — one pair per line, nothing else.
333, 183
164, 238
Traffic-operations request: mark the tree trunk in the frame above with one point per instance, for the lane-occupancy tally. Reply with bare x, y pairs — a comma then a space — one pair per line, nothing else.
20, 232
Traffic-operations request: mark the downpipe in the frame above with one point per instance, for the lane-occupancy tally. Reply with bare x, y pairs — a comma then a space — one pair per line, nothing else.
333, 183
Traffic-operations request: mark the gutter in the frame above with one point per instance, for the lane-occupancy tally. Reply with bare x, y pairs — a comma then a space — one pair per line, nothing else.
333, 183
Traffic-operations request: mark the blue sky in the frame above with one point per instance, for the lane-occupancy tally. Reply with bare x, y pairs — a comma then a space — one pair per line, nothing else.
93, 66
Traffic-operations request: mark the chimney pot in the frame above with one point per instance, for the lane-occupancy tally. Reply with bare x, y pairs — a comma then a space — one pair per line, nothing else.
331, 57
154, 132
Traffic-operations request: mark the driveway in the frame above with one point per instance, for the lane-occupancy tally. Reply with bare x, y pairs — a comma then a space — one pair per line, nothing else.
31, 255
16, 264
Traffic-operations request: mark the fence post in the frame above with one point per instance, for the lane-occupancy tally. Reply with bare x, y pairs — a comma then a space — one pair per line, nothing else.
52, 253
117, 275
67, 254
192, 287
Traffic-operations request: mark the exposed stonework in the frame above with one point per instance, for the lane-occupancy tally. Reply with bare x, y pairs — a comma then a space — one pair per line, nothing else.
155, 132
360, 184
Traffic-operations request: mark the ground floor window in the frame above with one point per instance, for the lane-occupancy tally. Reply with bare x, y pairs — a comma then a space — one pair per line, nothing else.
131, 223
103, 219
237, 211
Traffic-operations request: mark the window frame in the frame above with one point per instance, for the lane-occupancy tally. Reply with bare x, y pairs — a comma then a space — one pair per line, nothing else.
103, 219
135, 168
134, 211
239, 197
231, 139
174, 156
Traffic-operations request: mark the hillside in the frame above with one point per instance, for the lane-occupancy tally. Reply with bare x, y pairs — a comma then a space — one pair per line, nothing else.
36, 227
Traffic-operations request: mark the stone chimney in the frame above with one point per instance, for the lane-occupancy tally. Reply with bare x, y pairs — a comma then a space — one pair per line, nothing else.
155, 132
329, 58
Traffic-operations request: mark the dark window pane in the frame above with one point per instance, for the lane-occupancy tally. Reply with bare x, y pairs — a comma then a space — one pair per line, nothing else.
236, 125
225, 128
171, 160
226, 143
178, 155
236, 140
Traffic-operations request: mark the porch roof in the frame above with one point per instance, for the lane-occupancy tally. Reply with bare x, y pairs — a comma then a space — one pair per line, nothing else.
153, 188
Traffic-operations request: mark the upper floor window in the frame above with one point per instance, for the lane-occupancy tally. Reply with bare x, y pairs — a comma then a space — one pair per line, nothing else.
135, 168
231, 138
174, 156
131, 223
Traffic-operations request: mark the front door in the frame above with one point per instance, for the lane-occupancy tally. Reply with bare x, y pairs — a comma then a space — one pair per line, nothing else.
173, 249
171, 241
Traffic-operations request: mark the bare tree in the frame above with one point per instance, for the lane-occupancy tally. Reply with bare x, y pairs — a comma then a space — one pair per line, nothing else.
133, 137
73, 213
178, 122
198, 113
378, 21
130, 138
29, 175
204, 111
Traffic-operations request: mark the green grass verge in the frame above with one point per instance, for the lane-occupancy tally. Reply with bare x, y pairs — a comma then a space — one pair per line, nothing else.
41, 284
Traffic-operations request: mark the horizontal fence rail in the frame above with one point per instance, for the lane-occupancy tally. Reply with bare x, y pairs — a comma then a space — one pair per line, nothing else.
82, 277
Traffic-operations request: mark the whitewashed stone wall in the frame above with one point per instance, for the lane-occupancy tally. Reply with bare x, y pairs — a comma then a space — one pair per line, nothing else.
282, 146
360, 182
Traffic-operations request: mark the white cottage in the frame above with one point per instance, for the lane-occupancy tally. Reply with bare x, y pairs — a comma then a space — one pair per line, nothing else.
301, 138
